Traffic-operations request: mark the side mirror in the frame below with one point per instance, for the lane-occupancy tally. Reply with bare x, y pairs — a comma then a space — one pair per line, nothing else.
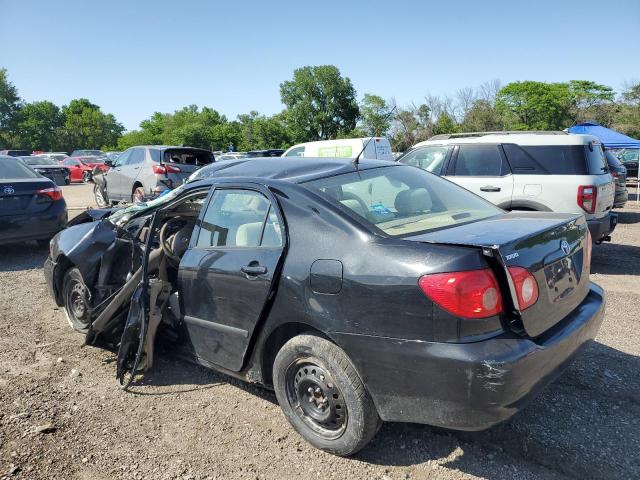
108, 163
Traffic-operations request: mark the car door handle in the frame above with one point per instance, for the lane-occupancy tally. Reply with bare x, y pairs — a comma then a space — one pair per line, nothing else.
489, 188
254, 269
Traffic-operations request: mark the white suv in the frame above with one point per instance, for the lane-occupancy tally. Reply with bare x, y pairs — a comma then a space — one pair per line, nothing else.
550, 171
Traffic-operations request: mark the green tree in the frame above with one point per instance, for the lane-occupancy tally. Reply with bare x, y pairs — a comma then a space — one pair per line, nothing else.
86, 126
136, 137
481, 117
533, 105
37, 126
591, 101
410, 125
445, 124
261, 132
374, 116
9, 106
321, 104
225, 135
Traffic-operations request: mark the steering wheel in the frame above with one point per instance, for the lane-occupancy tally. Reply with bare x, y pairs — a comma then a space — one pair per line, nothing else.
363, 205
169, 235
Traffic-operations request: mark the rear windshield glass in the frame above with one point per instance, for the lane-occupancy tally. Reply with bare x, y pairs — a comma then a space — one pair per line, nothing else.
183, 157
38, 161
11, 168
402, 200
567, 159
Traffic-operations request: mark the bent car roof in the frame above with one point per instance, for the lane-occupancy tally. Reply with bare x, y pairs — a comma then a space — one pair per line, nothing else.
292, 169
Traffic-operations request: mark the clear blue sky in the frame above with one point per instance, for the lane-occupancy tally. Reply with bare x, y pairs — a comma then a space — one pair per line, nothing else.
136, 57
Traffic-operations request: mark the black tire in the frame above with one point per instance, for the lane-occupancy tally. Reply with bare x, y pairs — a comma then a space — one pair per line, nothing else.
322, 395
101, 199
76, 300
86, 176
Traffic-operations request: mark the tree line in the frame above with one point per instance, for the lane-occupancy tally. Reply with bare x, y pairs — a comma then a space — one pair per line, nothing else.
320, 104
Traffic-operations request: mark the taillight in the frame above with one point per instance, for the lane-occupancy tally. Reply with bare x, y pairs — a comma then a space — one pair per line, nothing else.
588, 245
469, 294
163, 169
587, 196
54, 193
526, 286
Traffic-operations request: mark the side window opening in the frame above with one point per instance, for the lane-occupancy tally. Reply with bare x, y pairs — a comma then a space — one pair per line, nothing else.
480, 161
431, 159
239, 218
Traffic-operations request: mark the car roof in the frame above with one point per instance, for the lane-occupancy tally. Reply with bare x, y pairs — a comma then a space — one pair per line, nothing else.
292, 169
518, 139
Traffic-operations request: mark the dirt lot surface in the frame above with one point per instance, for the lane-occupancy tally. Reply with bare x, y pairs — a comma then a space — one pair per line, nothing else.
63, 416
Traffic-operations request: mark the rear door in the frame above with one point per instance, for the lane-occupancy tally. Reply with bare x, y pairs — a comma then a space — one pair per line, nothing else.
483, 169
227, 275
114, 176
129, 171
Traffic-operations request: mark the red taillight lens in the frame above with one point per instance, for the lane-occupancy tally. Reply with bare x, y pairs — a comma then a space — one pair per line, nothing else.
587, 196
470, 294
526, 286
54, 193
163, 169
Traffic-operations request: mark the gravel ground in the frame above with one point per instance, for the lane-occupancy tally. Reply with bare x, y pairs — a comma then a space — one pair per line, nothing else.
63, 416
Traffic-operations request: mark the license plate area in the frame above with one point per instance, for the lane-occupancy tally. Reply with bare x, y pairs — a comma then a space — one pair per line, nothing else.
562, 278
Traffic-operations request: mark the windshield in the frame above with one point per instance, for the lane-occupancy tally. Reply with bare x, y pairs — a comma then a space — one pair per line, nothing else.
124, 215
39, 161
401, 200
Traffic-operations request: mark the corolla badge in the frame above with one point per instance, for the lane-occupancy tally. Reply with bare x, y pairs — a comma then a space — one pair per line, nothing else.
564, 246
8, 190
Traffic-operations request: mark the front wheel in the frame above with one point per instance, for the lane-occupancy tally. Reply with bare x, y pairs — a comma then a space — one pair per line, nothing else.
101, 198
86, 177
322, 395
138, 195
76, 300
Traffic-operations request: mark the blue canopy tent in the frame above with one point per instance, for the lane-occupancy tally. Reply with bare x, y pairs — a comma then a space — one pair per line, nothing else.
610, 139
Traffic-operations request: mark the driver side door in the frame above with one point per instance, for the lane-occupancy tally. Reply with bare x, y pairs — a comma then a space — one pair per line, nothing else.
114, 176
227, 275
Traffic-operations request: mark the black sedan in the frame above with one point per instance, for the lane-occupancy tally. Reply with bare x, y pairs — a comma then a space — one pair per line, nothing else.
49, 168
360, 292
31, 206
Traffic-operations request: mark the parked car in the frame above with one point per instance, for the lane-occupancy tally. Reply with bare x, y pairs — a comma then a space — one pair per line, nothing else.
31, 206
87, 153
538, 172
145, 172
48, 168
57, 156
273, 152
359, 293
15, 153
619, 174
629, 158
376, 148
81, 168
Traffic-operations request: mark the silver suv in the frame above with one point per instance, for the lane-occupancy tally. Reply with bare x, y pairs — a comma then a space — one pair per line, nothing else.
145, 172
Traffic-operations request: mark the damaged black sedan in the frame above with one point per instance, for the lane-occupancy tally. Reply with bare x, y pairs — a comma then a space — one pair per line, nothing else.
360, 293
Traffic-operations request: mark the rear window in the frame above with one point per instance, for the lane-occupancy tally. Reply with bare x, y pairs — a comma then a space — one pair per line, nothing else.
556, 159
479, 161
10, 168
183, 157
402, 201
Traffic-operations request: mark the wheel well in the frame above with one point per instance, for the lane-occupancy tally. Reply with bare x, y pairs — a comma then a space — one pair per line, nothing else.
63, 264
136, 185
276, 340
522, 209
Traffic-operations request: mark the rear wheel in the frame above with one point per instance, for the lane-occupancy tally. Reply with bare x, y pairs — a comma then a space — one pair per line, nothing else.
86, 176
76, 300
138, 195
322, 395
101, 198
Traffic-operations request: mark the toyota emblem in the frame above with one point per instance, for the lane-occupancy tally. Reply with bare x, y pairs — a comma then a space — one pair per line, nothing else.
564, 246
8, 190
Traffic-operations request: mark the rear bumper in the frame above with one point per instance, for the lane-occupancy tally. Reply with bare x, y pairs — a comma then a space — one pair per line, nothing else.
601, 227
470, 386
40, 226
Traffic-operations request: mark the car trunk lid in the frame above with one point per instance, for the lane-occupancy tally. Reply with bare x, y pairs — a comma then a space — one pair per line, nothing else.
550, 246
19, 196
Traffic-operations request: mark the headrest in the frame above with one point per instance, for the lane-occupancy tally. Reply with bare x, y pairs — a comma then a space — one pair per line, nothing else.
412, 201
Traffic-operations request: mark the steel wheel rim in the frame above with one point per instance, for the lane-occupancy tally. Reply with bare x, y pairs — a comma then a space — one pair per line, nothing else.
99, 197
77, 302
315, 398
138, 195
86, 176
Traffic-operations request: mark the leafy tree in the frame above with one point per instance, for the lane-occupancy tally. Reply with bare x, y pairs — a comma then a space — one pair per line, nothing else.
136, 137
226, 135
9, 105
38, 124
321, 104
590, 100
481, 117
374, 116
410, 125
445, 124
533, 105
86, 126
260, 132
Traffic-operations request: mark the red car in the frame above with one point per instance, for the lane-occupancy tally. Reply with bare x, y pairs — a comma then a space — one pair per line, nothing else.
81, 168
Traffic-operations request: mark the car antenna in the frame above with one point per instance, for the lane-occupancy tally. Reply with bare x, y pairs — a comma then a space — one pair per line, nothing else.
356, 160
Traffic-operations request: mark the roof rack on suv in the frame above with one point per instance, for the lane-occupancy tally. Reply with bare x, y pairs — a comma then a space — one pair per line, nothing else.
447, 136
